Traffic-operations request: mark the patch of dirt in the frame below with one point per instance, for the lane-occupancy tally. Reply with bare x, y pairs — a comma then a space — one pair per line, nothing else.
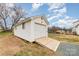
10, 45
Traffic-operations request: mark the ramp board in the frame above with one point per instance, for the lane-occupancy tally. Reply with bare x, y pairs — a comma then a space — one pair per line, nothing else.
49, 43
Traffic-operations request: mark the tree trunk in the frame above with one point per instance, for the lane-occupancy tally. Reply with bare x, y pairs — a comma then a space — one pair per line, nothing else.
14, 23
12, 27
5, 25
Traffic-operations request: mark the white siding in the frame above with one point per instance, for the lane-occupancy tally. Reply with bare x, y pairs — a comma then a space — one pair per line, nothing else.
39, 20
24, 33
77, 30
32, 30
40, 31
75, 23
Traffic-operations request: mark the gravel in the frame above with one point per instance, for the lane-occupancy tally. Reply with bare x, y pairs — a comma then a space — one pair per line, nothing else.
68, 49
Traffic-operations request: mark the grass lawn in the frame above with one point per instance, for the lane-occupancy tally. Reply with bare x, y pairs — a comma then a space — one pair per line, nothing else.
12, 45
5, 33
64, 37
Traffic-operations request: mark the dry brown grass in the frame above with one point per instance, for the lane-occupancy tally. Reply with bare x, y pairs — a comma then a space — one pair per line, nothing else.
64, 37
11, 45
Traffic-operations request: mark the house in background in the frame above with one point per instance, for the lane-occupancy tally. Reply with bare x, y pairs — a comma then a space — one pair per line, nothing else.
32, 28
76, 27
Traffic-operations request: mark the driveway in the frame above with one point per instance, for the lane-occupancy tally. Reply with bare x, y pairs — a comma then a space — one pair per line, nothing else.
68, 49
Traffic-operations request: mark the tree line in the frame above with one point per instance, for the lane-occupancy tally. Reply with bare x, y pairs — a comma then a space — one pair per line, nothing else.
54, 29
14, 13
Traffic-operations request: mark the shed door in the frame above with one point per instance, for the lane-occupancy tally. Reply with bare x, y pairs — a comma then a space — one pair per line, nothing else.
40, 30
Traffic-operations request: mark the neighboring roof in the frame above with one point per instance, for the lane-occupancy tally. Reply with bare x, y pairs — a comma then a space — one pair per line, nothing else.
77, 25
76, 21
30, 18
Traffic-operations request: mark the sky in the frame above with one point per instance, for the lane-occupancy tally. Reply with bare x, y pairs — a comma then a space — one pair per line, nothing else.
58, 14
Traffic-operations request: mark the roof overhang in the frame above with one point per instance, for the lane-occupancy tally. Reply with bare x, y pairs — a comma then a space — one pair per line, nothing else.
31, 18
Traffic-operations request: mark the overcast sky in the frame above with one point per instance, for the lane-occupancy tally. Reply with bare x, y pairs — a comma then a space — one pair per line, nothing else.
58, 14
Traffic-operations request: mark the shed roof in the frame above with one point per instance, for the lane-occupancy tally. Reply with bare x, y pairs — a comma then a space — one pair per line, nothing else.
30, 18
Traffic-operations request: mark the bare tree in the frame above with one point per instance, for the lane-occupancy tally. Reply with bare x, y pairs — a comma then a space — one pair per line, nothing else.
16, 14
13, 12
4, 14
1, 25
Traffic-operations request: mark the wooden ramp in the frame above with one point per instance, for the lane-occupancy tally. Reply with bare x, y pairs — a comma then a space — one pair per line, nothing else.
49, 43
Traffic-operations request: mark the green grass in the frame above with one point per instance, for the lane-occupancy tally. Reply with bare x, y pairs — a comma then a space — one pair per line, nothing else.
64, 37
3, 33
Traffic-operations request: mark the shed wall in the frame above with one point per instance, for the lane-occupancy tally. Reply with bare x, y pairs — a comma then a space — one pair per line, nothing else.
24, 33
